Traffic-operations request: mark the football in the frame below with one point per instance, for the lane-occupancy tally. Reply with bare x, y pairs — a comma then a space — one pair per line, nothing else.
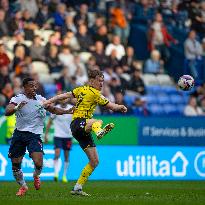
186, 82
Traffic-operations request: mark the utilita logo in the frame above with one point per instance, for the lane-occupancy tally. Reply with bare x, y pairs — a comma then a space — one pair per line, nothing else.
150, 166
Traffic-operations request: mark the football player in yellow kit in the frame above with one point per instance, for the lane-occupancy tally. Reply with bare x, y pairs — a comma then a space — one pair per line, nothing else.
88, 97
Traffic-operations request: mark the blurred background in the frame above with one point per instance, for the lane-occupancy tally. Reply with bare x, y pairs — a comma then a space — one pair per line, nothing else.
142, 47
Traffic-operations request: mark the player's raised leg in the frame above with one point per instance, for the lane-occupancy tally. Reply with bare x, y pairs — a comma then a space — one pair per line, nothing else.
18, 175
92, 155
38, 165
96, 127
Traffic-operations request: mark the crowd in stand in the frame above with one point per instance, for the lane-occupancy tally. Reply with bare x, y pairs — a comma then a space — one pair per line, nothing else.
94, 35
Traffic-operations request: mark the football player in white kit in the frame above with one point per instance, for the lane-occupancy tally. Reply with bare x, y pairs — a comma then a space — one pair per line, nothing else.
30, 115
62, 138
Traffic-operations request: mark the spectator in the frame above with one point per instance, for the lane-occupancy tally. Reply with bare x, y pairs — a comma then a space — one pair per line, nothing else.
112, 59
123, 77
202, 104
51, 42
73, 42
43, 18
17, 85
116, 44
19, 37
140, 107
100, 57
4, 76
30, 5
137, 83
143, 13
4, 59
29, 25
57, 38
16, 23
91, 64
3, 24
119, 23
102, 35
192, 109
119, 99
59, 16
193, 54
159, 38
54, 64
154, 64
99, 22
115, 85
78, 69
66, 59
69, 25
107, 93
82, 16
4, 4
37, 51
8, 91
128, 60
196, 11
84, 39
19, 59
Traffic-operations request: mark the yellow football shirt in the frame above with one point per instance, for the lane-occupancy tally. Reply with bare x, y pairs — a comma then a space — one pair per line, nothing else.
87, 100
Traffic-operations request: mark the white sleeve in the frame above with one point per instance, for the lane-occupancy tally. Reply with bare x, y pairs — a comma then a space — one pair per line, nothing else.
52, 116
16, 100
41, 98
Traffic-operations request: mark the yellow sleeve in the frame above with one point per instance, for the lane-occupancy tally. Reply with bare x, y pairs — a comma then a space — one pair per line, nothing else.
101, 100
76, 92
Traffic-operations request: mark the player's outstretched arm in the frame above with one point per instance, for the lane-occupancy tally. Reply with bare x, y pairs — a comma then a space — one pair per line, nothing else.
115, 107
57, 98
59, 111
12, 108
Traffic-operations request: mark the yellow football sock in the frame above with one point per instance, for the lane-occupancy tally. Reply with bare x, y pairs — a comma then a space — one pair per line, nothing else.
96, 127
86, 172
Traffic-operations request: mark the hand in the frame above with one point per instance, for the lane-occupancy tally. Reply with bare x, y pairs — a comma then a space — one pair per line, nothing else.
20, 105
122, 109
46, 104
71, 110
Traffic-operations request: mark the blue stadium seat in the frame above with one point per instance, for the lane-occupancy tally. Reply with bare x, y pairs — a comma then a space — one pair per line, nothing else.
152, 89
180, 108
171, 109
151, 99
176, 99
169, 89
129, 99
163, 98
155, 109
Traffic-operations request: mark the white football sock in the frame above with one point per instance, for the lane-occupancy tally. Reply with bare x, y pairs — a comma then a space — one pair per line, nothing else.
56, 168
65, 168
18, 175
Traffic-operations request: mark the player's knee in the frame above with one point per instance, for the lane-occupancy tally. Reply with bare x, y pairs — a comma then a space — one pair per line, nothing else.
38, 163
16, 166
94, 163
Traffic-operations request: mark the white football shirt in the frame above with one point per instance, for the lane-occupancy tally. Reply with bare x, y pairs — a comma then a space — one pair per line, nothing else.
32, 115
62, 123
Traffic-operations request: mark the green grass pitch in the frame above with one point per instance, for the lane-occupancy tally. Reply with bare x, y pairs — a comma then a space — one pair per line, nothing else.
109, 192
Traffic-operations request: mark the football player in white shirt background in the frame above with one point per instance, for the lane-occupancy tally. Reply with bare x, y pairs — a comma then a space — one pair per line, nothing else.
62, 138
30, 116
